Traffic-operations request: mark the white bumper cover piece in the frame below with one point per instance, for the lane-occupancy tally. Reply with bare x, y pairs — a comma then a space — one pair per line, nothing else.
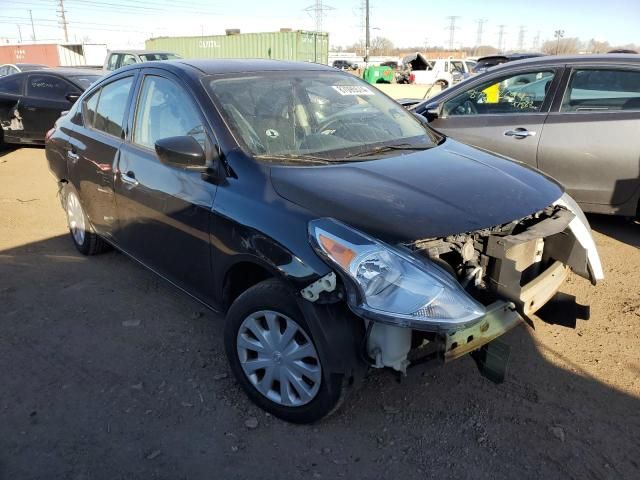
582, 231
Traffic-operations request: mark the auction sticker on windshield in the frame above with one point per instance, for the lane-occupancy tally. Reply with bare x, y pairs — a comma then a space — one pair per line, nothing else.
352, 90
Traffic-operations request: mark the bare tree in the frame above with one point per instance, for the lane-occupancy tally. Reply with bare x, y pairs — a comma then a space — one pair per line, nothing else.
596, 46
381, 46
484, 50
562, 46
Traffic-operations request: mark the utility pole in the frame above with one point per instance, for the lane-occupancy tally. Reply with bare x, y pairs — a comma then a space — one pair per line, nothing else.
480, 22
500, 37
33, 30
558, 34
63, 19
367, 35
19, 32
452, 29
521, 33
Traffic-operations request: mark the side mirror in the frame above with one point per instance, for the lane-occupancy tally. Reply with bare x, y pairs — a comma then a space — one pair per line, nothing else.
183, 152
420, 118
432, 112
72, 97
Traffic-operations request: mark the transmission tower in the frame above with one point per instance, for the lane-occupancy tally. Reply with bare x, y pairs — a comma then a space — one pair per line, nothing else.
501, 37
63, 19
452, 29
536, 42
480, 22
521, 33
317, 11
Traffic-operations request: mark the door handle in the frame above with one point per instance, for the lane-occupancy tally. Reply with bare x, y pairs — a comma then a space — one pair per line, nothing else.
74, 157
129, 178
519, 133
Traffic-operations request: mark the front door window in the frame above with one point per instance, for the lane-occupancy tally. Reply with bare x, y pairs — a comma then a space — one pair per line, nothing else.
523, 92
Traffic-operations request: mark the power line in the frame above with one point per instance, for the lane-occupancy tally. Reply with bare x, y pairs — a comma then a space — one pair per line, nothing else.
452, 29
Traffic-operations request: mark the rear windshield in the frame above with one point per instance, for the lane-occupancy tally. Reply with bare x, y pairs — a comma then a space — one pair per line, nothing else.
322, 113
84, 81
490, 62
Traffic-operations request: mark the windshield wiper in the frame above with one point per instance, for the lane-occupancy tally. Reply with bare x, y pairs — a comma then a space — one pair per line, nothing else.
294, 158
388, 148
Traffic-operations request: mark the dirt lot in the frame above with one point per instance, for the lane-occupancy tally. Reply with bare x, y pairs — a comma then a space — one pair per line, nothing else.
107, 372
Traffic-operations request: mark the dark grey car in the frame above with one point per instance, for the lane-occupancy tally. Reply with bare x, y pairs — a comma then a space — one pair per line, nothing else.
576, 118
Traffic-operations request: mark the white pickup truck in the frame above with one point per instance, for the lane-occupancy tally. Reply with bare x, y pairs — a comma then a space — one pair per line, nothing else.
442, 72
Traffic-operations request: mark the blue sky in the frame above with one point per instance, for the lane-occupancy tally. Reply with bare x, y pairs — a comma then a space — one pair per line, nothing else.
126, 23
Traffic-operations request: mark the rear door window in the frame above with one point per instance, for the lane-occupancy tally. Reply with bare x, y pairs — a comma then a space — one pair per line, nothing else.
111, 107
11, 85
592, 90
49, 87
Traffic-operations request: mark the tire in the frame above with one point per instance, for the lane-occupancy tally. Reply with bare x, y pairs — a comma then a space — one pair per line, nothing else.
82, 235
442, 84
269, 307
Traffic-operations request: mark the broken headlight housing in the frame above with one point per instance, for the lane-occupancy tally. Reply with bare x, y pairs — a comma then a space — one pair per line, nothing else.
389, 285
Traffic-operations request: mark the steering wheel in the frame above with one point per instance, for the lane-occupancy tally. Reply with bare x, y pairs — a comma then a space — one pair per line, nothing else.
365, 130
467, 108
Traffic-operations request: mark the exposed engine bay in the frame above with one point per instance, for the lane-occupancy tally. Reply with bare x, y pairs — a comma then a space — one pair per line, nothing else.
503, 262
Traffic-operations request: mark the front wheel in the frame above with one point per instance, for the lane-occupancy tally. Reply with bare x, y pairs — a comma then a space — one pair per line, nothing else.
274, 358
84, 238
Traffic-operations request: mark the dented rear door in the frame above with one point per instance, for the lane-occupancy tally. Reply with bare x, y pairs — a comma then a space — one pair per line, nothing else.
11, 89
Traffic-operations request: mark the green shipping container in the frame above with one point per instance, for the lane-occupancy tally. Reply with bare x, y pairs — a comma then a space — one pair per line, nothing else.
298, 45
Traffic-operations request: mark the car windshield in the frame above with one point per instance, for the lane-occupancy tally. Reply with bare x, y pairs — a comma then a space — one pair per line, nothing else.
84, 81
327, 115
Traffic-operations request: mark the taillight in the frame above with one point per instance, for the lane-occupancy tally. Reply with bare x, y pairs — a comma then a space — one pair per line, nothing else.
412, 78
48, 135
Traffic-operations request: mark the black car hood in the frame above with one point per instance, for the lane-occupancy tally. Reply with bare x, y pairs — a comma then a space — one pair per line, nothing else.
452, 188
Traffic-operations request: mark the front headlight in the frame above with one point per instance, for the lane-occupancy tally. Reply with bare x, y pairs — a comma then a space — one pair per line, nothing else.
388, 285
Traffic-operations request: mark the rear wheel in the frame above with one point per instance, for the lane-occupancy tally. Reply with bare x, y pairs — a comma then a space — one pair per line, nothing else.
274, 358
84, 238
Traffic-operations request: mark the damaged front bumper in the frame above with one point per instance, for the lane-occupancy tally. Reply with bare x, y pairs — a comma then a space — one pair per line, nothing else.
501, 317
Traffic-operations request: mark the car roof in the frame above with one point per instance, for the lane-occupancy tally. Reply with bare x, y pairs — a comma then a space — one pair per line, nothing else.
608, 58
511, 56
60, 72
232, 65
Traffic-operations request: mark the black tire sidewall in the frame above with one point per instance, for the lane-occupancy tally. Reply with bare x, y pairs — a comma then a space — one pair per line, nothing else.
273, 295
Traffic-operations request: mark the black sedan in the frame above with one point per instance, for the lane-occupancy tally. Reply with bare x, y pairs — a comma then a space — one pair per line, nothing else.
336, 230
31, 101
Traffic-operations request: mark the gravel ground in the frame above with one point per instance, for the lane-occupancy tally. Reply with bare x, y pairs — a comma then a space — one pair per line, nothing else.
107, 372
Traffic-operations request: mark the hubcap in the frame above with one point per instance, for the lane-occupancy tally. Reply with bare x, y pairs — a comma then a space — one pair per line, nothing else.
75, 218
278, 358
